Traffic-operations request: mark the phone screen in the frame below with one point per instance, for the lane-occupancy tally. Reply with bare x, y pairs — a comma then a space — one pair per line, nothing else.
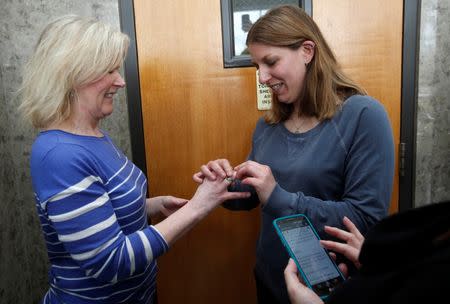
316, 265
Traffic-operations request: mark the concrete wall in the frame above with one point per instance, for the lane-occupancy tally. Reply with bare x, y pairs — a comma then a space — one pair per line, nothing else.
433, 115
23, 258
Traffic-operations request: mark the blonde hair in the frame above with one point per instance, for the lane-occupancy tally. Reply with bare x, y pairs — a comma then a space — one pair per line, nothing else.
325, 86
72, 51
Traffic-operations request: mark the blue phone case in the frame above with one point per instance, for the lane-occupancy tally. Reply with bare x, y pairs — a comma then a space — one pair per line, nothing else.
291, 253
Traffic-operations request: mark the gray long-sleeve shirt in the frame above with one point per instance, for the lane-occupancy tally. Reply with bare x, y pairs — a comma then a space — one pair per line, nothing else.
342, 167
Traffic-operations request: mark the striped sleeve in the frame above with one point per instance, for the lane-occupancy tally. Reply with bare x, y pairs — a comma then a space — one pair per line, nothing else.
74, 196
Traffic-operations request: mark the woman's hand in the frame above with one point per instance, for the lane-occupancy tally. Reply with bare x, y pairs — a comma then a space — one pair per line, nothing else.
353, 241
212, 193
213, 169
209, 194
257, 175
298, 292
164, 205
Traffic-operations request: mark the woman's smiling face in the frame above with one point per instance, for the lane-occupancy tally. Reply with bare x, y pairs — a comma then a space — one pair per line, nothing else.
96, 99
281, 68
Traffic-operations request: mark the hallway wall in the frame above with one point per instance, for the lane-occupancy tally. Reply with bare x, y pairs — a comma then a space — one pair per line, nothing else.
433, 106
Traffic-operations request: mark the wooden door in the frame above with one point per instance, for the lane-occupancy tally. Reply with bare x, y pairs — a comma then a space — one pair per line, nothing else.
194, 110
366, 37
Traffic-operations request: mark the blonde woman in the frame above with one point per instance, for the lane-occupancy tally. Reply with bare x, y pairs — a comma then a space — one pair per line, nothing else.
325, 149
90, 198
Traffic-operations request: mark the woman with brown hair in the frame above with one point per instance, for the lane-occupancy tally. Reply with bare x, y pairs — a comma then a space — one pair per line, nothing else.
325, 149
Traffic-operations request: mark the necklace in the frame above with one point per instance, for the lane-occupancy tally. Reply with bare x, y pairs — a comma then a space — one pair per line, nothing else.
298, 127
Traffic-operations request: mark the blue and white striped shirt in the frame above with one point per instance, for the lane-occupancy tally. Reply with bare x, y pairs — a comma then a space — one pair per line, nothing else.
91, 203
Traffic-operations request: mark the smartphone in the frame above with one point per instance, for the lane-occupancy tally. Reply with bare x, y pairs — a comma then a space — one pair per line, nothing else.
301, 240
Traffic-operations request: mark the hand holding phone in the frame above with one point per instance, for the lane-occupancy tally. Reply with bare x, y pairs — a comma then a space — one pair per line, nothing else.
298, 292
318, 270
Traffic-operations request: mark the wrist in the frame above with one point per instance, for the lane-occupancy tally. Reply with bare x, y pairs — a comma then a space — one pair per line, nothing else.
152, 205
267, 194
198, 209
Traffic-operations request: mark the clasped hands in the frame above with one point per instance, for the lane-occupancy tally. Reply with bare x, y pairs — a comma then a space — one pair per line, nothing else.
250, 173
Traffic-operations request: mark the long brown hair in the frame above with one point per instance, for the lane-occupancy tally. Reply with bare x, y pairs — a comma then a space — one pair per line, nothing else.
326, 86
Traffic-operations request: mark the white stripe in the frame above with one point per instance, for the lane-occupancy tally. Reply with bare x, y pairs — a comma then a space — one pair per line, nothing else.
89, 254
151, 272
131, 214
45, 298
83, 185
152, 278
145, 294
52, 294
123, 182
129, 191
119, 260
72, 279
100, 201
53, 243
56, 252
120, 170
109, 284
131, 203
78, 295
97, 274
108, 296
143, 216
159, 233
130, 254
147, 247
89, 231
60, 256
65, 267
91, 288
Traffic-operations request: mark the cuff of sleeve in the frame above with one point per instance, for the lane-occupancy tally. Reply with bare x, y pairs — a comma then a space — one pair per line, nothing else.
280, 203
159, 244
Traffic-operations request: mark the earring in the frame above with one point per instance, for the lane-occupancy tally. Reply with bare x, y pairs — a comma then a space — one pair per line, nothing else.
72, 96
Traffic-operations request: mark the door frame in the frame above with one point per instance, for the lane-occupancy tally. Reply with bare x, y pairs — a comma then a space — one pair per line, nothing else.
230, 60
133, 89
408, 115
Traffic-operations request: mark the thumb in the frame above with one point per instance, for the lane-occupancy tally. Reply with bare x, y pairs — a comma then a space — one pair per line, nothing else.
291, 273
198, 177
